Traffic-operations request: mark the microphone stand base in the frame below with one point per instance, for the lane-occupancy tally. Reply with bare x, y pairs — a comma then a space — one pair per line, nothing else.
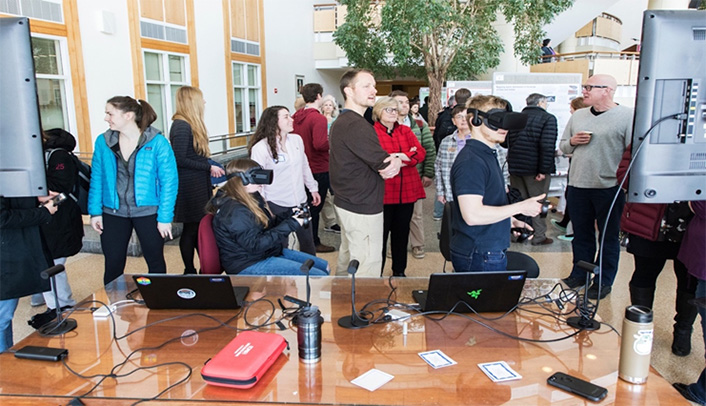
583, 324
352, 322
57, 327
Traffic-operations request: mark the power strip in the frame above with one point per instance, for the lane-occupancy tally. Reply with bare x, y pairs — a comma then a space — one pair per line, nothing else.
104, 312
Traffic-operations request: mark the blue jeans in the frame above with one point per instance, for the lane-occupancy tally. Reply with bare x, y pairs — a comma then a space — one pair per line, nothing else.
7, 312
438, 209
486, 261
586, 208
287, 264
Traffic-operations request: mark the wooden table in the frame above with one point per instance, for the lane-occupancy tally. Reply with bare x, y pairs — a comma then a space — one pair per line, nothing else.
346, 354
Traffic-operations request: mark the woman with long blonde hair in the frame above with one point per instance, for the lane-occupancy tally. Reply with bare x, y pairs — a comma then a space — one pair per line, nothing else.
249, 237
329, 109
189, 140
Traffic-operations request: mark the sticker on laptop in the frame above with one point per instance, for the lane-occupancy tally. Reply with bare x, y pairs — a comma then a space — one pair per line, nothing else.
216, 280
186, 293
515, 277
143, 281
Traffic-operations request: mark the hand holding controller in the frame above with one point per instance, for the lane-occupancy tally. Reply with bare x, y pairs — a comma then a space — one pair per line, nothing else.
303, 214
545, 208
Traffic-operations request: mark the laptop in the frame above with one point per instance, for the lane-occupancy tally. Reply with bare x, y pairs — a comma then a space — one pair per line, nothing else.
482, 291
165, 291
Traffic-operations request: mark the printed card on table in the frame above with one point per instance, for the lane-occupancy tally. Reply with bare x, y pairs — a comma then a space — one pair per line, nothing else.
437, 359
372, 379
499, 371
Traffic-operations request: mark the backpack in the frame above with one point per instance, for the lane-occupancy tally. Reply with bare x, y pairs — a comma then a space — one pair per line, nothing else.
83, 181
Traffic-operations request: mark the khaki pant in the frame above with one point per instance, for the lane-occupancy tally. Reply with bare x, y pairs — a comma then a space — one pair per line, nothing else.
328, 215
416, 226
361, 239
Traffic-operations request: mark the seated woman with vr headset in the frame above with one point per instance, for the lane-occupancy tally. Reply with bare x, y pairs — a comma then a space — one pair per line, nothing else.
248, 235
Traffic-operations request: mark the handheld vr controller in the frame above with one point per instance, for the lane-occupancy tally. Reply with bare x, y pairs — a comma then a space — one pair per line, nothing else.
303, 212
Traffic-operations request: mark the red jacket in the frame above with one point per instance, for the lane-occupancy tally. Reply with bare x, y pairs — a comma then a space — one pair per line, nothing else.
312, 126
641, 219
407, 186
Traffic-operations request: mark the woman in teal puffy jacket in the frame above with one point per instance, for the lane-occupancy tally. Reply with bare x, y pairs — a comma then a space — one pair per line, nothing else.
134, 185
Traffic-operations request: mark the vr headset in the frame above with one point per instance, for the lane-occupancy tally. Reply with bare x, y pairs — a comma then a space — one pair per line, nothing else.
256, 175
498, 119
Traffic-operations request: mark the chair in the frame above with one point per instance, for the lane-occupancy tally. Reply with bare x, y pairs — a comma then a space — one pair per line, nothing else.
516, 261
208, 250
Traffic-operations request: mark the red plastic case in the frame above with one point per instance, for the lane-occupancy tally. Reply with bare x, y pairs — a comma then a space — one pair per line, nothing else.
242, 362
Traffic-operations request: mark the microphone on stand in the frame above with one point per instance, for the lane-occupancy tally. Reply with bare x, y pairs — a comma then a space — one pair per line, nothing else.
586, 319
58, 326
306, 267
353, 321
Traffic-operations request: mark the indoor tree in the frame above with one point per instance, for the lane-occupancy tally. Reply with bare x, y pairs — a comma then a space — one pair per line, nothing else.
440, 39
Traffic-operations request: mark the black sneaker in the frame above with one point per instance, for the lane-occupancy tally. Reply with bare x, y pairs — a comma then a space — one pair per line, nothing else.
683, 389
573, 283
593, 291
333, 229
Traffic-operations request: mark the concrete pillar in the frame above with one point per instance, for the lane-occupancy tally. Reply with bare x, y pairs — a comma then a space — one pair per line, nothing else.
568, 46
667, 4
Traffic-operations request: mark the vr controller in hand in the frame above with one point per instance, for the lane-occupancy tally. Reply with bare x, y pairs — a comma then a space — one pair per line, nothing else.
256, 176
524, 233
303, 212
545, 208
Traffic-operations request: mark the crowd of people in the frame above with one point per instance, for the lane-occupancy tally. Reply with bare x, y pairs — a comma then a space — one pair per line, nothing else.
361, 172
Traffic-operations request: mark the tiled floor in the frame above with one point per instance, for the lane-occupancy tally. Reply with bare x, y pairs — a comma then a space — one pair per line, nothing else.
86, 275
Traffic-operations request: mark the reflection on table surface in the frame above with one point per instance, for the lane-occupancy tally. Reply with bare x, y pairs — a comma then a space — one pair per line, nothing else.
177, 343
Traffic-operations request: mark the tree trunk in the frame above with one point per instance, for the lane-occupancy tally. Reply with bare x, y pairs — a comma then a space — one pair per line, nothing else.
435, 85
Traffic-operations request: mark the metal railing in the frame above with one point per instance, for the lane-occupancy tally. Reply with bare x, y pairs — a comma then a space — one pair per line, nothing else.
220, 145
592, 55
224, 144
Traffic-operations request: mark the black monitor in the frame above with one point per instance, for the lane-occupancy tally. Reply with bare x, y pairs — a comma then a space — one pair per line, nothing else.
671, 165
22, 170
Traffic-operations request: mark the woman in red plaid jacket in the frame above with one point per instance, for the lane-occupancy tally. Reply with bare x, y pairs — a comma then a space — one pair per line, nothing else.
402, 191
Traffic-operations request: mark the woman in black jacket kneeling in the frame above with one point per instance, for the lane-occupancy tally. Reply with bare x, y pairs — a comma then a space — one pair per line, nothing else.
249, 236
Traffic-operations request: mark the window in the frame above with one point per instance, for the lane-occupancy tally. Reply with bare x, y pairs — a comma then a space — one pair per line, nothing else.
247, 96
49, 10
53, 89
165, 73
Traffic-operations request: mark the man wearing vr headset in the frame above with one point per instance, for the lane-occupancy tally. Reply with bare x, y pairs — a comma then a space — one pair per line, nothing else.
482, 217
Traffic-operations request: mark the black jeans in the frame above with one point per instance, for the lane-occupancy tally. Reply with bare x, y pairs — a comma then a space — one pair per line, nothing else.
588, 207
304, 235
647, 269
116, 236
324, 185
396, 225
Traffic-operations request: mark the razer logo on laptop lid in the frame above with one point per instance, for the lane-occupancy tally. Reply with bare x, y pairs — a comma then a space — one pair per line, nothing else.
474, 293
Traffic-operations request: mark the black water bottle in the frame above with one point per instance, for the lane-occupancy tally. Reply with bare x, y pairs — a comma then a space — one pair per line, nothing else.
309, 323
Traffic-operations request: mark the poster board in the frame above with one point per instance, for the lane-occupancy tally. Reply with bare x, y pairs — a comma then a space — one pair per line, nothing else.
560, 89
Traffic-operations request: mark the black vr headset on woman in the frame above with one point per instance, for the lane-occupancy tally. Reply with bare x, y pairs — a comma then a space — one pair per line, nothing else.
256, 175
498, 119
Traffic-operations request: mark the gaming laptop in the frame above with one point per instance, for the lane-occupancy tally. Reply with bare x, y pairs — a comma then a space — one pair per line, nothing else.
481, 291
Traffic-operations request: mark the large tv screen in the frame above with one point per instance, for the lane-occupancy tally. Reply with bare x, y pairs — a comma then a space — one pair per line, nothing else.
22, 170
671, 97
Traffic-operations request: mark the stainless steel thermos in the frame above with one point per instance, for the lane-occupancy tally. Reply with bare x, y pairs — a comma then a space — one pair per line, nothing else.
636, 344
309, 323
